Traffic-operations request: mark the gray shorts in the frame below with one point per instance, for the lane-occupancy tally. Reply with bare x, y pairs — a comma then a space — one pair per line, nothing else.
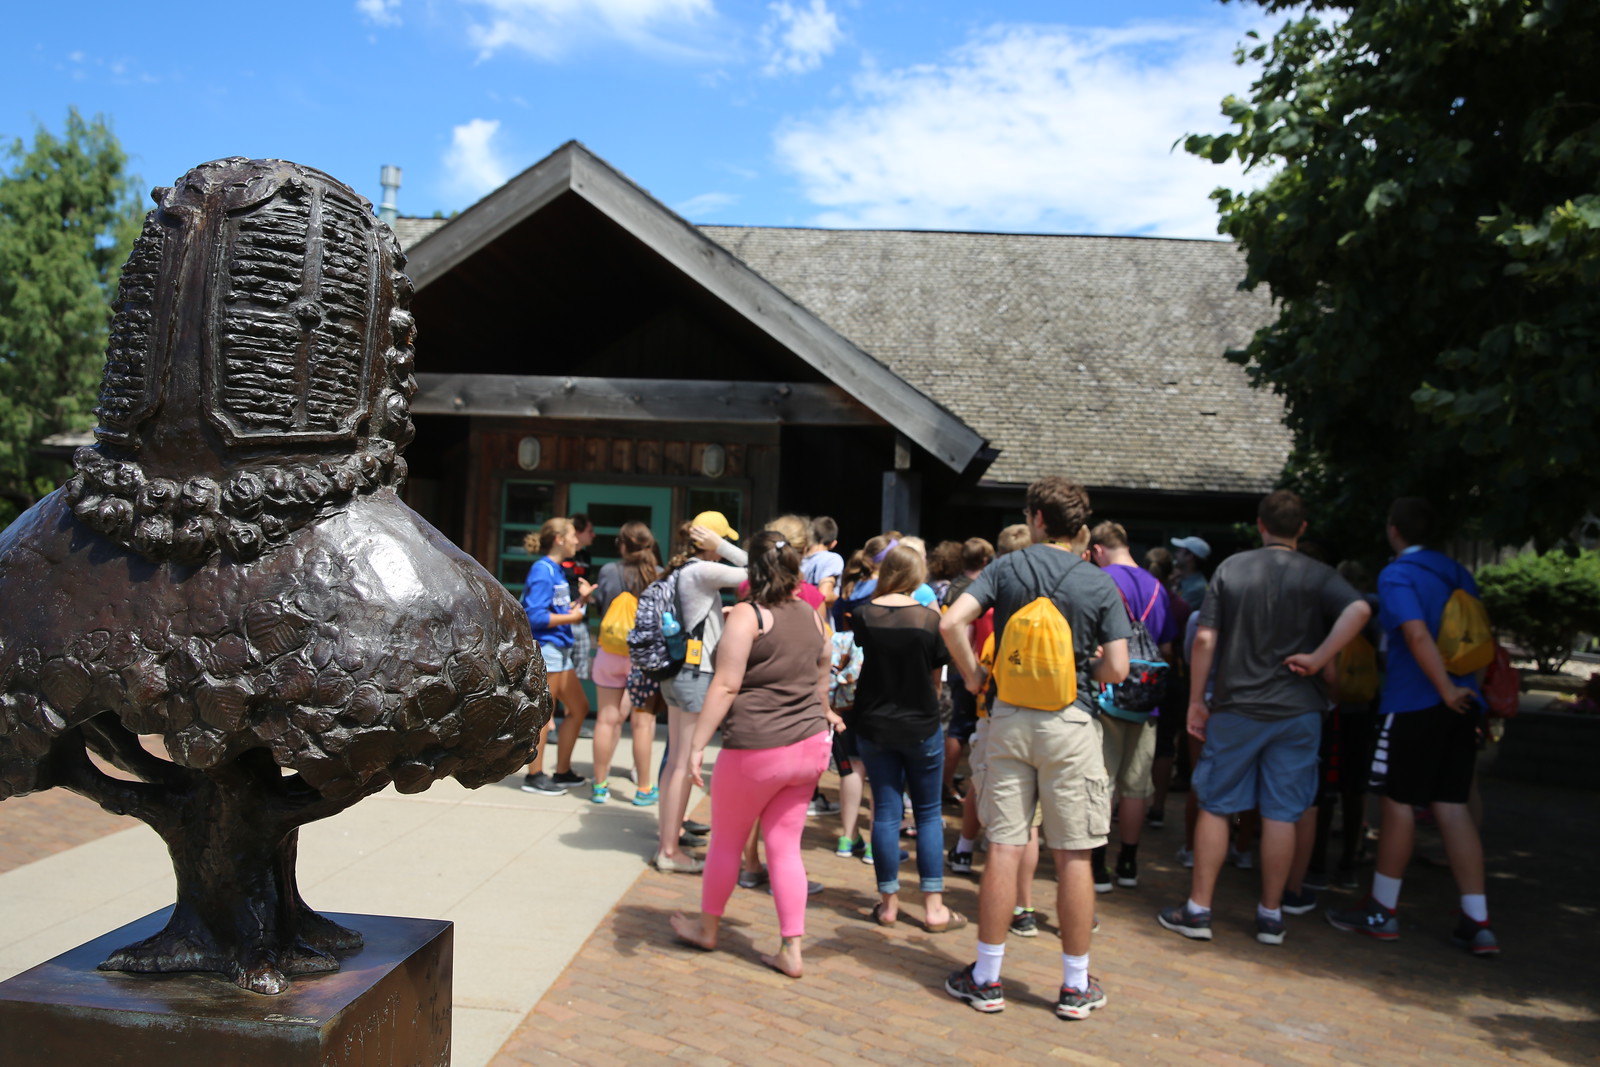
687, 689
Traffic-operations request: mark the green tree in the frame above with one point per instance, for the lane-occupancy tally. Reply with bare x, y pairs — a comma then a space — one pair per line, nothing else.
1430, 233
68, 216
1546, 600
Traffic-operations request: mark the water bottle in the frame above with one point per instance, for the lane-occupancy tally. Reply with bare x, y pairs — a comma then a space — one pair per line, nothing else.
676, 640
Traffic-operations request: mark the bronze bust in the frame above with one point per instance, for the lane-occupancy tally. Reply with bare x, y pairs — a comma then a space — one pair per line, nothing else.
231, 569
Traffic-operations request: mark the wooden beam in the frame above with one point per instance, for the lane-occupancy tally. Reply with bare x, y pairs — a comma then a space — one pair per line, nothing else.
642, 399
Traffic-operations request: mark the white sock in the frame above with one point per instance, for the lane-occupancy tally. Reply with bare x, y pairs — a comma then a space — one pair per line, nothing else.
987, 969
1476, 906
1075, 971
965, 844
1264, 912
1386, 890
1195, 909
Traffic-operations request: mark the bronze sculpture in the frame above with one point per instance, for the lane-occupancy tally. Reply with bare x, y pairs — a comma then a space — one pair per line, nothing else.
231, 568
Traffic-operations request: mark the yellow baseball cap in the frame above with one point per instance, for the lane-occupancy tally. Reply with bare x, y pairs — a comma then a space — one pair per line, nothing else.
716, 522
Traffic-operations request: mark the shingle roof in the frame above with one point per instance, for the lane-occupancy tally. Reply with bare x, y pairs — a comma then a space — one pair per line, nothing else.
1097, 357
410, 231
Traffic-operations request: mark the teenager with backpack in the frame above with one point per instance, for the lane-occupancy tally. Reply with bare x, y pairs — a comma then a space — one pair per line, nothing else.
1128, 740
769, 697
697, 576
552, 612
1430, 713
617, 592
1061, 627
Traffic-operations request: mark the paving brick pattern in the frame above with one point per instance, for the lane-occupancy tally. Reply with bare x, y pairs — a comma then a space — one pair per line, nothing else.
873, 995
42, 824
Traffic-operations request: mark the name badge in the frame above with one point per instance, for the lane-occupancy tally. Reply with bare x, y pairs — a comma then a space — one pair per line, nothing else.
691, 656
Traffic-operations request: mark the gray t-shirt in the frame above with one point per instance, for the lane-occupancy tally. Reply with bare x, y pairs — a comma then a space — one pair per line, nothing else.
700, 590
1085, 595
1266, 605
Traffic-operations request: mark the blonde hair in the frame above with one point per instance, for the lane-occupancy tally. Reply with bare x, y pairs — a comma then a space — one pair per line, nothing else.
1012, 538
796, 529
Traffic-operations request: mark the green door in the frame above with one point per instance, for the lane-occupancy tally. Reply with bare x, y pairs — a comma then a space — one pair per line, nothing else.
609, 506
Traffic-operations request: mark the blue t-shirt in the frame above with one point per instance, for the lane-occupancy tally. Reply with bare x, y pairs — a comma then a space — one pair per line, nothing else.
864, 591
821, 565
1415, 586
546, 593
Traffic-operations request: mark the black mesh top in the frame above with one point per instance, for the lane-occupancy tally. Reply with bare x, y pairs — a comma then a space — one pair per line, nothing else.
896, 703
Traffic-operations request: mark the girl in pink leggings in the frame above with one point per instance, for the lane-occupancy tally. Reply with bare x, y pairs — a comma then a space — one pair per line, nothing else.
769, 695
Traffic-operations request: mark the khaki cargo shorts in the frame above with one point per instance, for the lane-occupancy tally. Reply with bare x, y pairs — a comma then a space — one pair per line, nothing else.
1129, 749
1051, 759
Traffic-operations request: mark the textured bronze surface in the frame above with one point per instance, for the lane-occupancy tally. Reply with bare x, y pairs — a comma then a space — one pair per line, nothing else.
232, 569
388, 1004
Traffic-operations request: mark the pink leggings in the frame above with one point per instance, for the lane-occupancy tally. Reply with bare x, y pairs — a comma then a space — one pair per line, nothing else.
773, 785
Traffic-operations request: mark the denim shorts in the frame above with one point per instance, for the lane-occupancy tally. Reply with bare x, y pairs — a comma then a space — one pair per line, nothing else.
1266, 764
687, 689
557, 658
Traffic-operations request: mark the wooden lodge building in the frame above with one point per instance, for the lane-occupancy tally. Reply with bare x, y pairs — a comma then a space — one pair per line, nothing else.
582, 348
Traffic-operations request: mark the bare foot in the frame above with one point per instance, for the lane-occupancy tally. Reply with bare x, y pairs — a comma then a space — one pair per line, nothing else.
787, 959
700, 932
939, 918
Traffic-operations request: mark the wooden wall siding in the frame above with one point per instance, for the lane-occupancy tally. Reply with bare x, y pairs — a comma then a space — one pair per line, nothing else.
617, 453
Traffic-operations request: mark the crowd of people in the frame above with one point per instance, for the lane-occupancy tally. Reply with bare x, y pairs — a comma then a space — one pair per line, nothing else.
1069, 679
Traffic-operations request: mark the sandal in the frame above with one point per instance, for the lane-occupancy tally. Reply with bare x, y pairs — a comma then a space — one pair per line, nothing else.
875, 913
668, 865
955, 922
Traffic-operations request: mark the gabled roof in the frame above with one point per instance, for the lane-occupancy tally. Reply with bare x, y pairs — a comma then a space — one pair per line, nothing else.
573, 169
1096, 357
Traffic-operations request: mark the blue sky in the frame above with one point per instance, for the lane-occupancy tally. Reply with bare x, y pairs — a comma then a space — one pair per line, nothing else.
1034, 117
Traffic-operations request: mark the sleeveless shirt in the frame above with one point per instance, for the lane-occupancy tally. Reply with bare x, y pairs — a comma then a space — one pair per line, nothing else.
777, 703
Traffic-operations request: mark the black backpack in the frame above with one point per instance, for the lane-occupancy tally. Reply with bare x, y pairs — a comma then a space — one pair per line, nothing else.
1134, 698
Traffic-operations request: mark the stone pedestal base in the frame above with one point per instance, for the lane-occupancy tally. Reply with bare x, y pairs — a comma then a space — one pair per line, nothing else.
389, 1003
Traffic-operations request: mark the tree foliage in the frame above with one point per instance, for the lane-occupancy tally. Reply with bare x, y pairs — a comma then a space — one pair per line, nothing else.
1546, 600
1431, 235
68, 215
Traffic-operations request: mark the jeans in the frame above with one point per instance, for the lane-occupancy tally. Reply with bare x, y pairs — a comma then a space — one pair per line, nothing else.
895, 771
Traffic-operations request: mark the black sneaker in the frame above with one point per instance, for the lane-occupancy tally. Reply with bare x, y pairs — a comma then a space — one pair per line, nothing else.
960, 862
1269, 931
1371, 918
1078, 1003
568, 780
1302, 902
1186, 922
1025, 923
1314, 879
542, 784
1102, 880
692, 827
1127, 874
1156, 819
985, 998
1475, 937
1349, 878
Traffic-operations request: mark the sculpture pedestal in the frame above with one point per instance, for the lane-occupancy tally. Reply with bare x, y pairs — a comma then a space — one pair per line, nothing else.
389, 1003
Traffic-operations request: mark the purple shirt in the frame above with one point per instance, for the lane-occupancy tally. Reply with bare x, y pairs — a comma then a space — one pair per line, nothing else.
1140, 587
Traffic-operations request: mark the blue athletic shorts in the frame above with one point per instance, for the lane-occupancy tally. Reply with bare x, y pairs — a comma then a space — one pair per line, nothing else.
1250, 763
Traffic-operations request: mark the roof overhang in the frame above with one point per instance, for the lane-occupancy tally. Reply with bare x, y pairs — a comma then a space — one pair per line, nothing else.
572, 168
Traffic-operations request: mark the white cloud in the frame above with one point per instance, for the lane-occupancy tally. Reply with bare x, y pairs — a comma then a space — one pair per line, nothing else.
1030, 128
380, 12
706, 204
547, 29
473, 164
797, 39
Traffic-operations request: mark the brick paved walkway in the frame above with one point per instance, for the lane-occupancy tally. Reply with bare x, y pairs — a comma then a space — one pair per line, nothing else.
42, 824
875, 996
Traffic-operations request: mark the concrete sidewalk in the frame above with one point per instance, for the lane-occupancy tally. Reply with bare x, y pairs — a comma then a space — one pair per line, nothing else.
525, 878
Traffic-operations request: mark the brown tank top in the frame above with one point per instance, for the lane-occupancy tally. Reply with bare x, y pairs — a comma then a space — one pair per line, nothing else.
777, 703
